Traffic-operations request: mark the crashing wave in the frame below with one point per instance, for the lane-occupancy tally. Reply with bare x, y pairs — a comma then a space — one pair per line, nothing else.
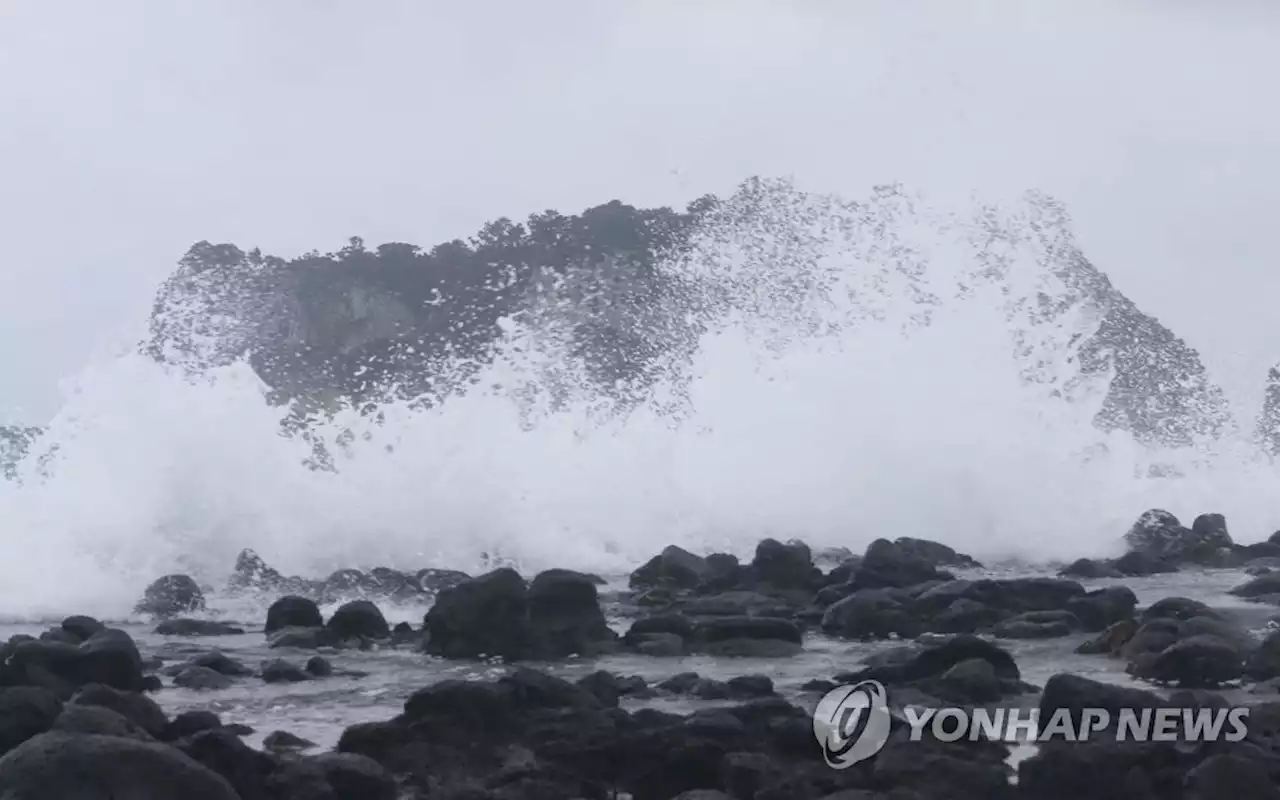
623, 296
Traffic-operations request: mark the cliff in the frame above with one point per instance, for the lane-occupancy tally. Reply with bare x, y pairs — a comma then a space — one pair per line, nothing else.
630, 291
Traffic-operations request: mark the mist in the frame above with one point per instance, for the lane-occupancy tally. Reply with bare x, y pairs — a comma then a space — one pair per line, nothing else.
136, 128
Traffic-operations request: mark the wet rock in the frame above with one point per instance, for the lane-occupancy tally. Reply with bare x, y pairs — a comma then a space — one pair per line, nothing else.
1198, 662
252, 574
1263, 663
738, 603
785, 566
62, 765
217, 661
25, 711
1211, 542
248, 771
1177, 608
918, 667
1264, 588
1151, 637
1111, 641
319, 667
355, 777
1159, 535
1037, 625
724, 573
285, 741
608, 687
82, 627
201, 678
1140, 565
1226, 775
281, 671
659, 645
745, 635
675, 624
359, 619
109, 657
60, 635
171, 596
565, 617
293, 611
1009, 597
1099, 609
189, 723
394, 585
870, 614
196, 627
485, 616
935, 553
497, 615
137, 708
1075, 694
346, 583
98, 720
673, 567
888, 565
1088, 568
434, 580
973, 681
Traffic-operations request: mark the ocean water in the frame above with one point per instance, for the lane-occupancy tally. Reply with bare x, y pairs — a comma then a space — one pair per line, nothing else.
870, 367
320, 710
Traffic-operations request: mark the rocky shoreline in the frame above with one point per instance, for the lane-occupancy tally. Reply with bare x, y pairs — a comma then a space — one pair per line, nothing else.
79, 715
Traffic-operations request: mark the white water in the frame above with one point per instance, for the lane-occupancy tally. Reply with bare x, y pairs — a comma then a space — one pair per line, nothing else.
817, 407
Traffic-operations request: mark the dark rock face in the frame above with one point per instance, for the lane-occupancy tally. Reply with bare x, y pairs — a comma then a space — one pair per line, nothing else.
293, 612
171, 596
25, 711
109, 657
673, 567
622, 287
498, 615
196, 627
359, 619
1105, 767
59, 764
785, 566
578, 743
1157, 537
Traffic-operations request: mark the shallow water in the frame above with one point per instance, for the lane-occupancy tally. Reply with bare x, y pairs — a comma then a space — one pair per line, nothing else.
320, 710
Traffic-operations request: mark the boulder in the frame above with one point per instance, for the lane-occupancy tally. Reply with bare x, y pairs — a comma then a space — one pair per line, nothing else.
497, 615
25, 711
359, 619
293, 611
63, 765
673, 567
785, 566
171, 596
109, 657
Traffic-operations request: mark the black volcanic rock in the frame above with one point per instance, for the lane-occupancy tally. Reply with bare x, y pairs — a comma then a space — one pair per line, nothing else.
498, 615
171, 596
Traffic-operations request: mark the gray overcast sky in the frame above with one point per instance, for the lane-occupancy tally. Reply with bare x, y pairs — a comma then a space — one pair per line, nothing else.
131, 129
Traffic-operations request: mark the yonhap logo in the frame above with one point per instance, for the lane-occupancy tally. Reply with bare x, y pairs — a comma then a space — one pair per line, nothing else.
851, 723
